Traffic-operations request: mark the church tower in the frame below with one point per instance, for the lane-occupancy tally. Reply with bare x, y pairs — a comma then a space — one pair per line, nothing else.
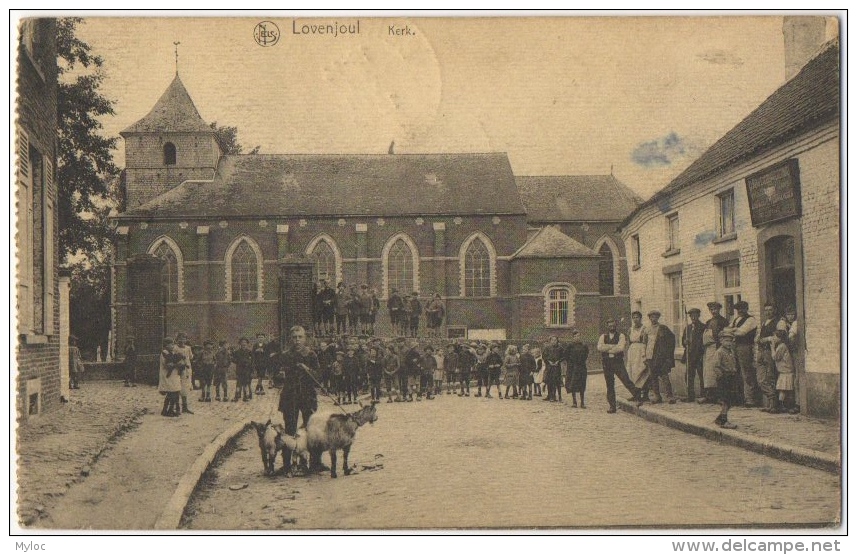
171, 144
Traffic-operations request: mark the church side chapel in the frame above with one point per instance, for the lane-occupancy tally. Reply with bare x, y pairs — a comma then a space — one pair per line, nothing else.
208, 235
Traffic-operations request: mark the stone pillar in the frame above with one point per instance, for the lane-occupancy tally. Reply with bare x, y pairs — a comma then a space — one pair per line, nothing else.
295, 306
282, 240
362, 253
202, 288
440, 251
65, 328
146, 298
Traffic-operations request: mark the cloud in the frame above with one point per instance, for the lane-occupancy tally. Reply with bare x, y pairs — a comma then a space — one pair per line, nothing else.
660, 152
721, 57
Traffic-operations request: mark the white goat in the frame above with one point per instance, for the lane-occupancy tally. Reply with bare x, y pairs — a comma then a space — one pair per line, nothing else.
330, 432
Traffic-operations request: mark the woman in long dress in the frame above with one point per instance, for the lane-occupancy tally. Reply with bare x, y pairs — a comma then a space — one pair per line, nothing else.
637, 349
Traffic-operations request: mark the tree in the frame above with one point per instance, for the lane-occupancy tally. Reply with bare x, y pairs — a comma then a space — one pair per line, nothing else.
85, 165
86, 178
228, 138
89, 301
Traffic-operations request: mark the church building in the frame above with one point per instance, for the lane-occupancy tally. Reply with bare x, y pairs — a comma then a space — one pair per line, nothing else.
515, 258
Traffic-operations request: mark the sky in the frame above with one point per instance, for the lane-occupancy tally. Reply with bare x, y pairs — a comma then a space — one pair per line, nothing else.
644, 96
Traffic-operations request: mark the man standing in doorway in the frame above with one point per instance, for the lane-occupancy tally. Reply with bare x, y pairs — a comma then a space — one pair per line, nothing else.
766, 369
691, 340
744, 329
611, 345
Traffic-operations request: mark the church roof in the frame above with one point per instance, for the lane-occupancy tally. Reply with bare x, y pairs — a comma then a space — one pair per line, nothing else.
810, 99
564, 198
174, 112
257, 185
550, 242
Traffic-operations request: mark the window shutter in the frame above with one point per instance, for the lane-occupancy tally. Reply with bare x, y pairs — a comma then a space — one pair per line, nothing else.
48, 199
25, 233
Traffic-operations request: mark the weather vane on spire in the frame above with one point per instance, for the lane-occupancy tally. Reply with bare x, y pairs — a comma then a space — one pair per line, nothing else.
177, 56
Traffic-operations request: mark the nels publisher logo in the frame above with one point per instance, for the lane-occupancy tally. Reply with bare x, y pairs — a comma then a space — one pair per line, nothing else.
266, 33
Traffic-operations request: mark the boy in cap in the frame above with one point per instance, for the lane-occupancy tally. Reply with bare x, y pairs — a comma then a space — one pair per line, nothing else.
75, 365
207, 360
415, 310
466, 362
726, 372
222, 360
243, 359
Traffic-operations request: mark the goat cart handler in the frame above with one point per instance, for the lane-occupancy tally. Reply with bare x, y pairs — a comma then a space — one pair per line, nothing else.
299, 367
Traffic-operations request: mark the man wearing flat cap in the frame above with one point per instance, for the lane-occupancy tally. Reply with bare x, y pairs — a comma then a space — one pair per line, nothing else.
691, 340
711, 341
660, 359
744, 327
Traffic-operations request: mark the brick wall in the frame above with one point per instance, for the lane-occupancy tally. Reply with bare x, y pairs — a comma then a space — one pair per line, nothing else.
146, 176
38, 355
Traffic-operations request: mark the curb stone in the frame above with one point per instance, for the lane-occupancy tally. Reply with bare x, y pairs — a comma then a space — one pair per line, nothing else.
172, 514
797, 455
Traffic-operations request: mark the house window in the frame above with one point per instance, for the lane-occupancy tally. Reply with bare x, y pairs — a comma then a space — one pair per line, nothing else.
727, 213
325, 261
672, 233
635, 248
400, 267
675, 309
169, 272
730, 285
605, 271
169, 154
477, 270
559, 300
35, 236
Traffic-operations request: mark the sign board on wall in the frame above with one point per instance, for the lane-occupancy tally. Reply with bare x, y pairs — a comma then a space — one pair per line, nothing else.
774, 193
487, 334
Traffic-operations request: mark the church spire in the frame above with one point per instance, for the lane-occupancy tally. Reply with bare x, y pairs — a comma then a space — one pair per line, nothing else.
176, 44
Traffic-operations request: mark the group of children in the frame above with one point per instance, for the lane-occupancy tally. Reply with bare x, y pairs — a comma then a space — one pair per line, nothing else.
407, 371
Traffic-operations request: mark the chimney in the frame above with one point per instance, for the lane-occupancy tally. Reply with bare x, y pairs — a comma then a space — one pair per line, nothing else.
803, 35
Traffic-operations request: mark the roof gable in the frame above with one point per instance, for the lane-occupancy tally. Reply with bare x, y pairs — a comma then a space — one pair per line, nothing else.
173, 112
550, 242
345, 185
810, 99
576, 198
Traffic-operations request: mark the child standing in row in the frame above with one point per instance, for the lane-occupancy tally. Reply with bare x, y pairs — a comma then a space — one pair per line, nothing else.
206, 369
243, 359
222, 360
786, 370
169, 379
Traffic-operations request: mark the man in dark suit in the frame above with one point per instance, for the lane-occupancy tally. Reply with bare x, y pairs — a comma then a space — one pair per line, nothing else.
660, 359
694, 350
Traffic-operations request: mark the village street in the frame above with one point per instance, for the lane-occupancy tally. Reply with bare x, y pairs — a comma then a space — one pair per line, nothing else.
468, 462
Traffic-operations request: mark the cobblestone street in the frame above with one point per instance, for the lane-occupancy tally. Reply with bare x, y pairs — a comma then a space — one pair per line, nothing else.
76, 472
455, 462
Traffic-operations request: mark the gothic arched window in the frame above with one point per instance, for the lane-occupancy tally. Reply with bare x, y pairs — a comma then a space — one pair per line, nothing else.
169, 154
400, 267
477, 270
169, 273
245, 276
325, 259
605, 271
